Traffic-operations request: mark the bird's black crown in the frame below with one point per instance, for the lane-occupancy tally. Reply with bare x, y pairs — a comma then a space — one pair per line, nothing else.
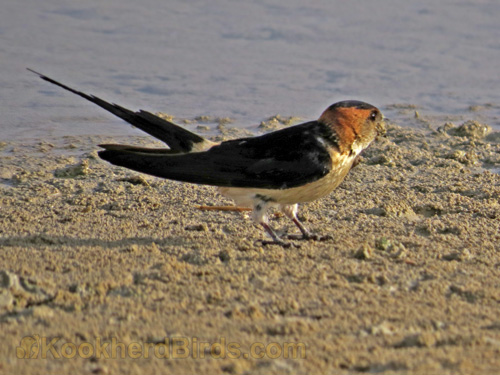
351, 104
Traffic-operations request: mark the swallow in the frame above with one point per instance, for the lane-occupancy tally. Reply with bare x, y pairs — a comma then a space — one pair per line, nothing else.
279, 169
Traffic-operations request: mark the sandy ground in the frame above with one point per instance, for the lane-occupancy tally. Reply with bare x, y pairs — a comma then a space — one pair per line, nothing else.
97, 255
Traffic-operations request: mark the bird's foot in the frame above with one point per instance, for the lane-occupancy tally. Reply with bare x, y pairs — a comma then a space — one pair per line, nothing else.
306, 234
278, 242
302, 237
309, 237
325, 238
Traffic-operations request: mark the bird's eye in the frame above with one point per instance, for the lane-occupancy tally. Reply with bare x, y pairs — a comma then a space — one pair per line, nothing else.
373, 115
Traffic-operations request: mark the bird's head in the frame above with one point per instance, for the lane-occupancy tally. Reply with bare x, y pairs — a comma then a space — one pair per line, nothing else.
355, 124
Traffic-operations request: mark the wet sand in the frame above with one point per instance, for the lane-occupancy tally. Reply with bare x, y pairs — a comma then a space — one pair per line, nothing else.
408, 283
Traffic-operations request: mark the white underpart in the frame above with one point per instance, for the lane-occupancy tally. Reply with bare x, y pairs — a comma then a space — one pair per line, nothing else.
287, 199
259, 212
290, 210
357, 147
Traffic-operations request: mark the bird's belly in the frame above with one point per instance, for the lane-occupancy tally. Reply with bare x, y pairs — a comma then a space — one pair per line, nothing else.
247, 197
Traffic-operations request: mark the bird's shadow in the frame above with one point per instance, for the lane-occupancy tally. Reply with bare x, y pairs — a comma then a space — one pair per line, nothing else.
46, 240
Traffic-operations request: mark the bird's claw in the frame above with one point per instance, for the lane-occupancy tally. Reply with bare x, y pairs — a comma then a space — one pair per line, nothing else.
309, 237
325, 238
301, 237
281, 243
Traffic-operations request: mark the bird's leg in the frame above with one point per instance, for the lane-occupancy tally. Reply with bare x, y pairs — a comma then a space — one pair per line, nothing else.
290, 210
259, 215
276, 240
306, 234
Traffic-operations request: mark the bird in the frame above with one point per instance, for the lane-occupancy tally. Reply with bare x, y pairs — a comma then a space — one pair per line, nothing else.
280, 169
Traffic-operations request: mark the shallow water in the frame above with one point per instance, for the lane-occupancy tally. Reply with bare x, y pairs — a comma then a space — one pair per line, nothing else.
245, 60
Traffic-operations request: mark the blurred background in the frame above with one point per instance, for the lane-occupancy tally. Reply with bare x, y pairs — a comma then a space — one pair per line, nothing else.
247, 60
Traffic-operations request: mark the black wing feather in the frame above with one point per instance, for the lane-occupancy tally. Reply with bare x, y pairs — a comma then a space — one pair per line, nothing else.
283, 159
176, 137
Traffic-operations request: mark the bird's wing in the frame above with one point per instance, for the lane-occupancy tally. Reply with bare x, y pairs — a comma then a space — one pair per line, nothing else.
283, 159
177, 138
